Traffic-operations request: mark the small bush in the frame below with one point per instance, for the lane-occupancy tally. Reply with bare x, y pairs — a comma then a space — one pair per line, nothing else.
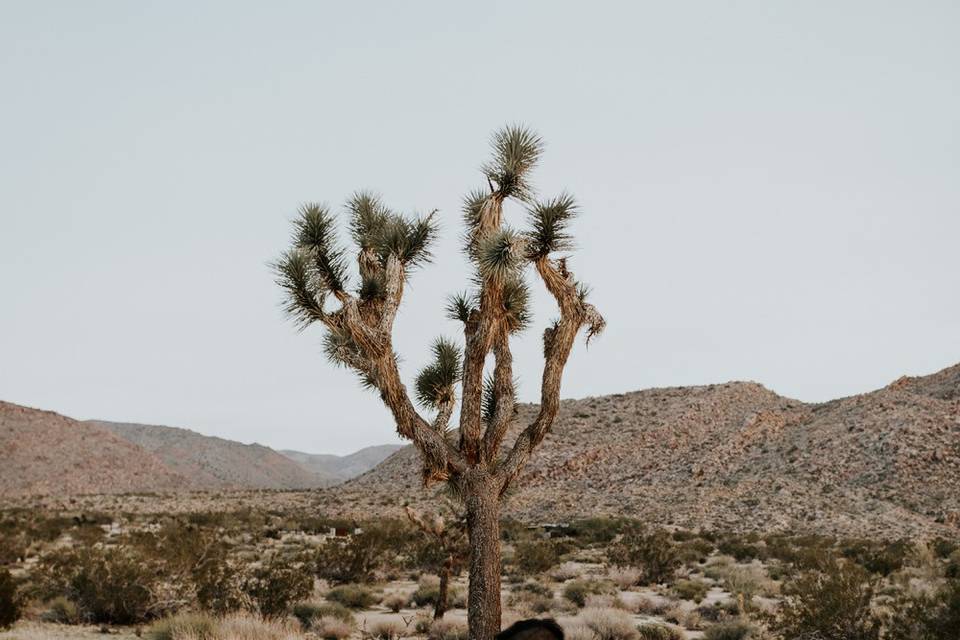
609, 624
333, 629
732, 630
108, 586
192, 626
428, 591
275, 585
657, 631
61, 611
11, 606
625, 577
578, 590
354, 596
386, 630
311, 613
536, 556
690, 590
447, 630
394, 602
653, 553
832, 605
243, 626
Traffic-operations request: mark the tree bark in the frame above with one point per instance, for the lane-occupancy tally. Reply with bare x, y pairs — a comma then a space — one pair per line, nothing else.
481, 495
443, 594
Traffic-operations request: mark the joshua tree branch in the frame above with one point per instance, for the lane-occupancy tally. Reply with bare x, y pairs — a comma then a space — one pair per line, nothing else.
557, 343
503, 392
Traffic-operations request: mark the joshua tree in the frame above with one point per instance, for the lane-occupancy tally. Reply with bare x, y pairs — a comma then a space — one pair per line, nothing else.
389, 246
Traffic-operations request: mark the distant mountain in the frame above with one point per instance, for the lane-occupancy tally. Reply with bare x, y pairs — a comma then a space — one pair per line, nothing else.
216, 463
343, 468
42, 452
731, 456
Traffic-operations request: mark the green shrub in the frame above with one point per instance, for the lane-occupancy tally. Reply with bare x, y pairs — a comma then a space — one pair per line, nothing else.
927, 617
658, 631
830, 605
276, 584
353, 559
535, 556
576, 591
109, 586
742, 551
11, 605
219, 585
597, 530
731, 630
879, 558
354, 596
653, 553
309, 613
695, 590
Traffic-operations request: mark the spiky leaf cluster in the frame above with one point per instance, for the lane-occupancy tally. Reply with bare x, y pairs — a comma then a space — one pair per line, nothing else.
516, 150
489, 402
368, 216
501, 255
304, 298
460, 306
549, 226
315, 231
516, 304
408, 240
435, 382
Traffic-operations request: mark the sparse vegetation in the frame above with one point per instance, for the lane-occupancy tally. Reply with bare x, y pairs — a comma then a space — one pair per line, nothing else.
11, 605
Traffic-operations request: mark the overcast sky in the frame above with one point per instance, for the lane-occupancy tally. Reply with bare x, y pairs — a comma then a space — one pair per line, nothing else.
770, 191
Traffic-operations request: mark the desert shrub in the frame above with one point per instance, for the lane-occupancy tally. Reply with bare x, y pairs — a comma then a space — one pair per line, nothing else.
353, 596
596, 530
386, 630
13, 547
354, 559
695, 590
61, 611
624, 577
244, 626
731, 630
695, 550
943, 548
276, 584
309, 613
11, 605
879, 558
741, 550
535, 556
428, 591
653, 553
830, 605
609, 624
566, 571
333, 629
657, 631
577, 591
184, 626
745, 581
447, 629
110, 586
394, 602
926, 617
219, 585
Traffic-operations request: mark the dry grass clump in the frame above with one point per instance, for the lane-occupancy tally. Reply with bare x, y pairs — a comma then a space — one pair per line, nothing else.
240, 626
684, 616
395, 601
732, 630
447, 629
657, 631
605, 601
386, 630
333, 629
578, 630
625, 577
609, 624
567, 571
652, 606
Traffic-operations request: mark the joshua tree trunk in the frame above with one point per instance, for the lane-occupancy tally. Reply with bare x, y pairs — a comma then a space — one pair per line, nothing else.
482, 500
359, 334
443, 593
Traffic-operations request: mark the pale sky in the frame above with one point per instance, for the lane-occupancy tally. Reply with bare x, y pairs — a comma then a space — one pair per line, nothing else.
770, 191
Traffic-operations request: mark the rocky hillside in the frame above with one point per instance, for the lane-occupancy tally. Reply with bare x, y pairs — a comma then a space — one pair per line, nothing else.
734, 455
44, 452
217, 463
342, 468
